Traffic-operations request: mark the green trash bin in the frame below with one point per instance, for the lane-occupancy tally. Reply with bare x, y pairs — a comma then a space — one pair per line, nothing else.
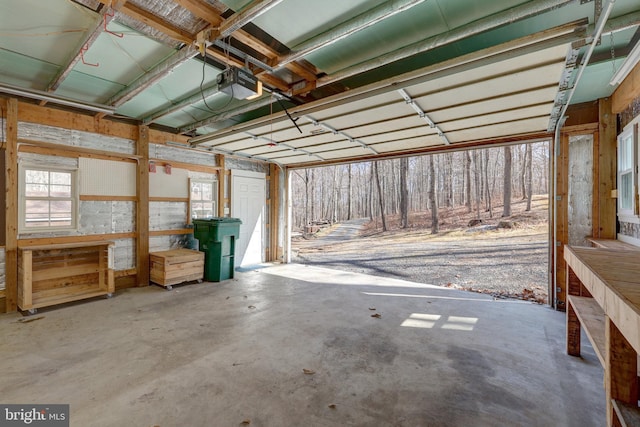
217, 239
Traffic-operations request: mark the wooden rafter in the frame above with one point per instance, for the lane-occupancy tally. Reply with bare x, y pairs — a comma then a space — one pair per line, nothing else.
155, 22
210, 14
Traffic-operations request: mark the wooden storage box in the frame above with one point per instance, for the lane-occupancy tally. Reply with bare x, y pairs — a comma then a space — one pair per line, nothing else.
56, 274
176, 266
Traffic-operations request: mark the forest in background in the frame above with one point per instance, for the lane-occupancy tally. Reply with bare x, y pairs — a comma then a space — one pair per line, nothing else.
477, 179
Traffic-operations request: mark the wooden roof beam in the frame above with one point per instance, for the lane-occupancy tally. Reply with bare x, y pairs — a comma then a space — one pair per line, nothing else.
202, 10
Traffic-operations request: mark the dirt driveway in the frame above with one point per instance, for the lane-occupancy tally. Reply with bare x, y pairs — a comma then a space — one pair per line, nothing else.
504, 263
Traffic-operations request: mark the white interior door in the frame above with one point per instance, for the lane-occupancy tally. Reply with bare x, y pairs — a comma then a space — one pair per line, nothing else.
248, 202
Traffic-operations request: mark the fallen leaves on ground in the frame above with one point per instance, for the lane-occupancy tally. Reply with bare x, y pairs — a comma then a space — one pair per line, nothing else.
332, 406
377, 315
252, 306
308, 371
372, 308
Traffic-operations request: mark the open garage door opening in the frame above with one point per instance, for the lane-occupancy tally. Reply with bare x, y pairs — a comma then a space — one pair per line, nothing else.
476, 220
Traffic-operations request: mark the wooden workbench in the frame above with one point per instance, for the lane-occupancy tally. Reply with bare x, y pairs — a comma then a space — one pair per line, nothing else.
604, 299
60, 273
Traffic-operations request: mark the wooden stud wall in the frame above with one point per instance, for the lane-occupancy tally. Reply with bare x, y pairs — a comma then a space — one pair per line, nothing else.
606, 170
11, 217
142, 211
142, 136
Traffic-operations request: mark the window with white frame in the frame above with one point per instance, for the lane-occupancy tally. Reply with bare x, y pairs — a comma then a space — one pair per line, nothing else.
48, 199
627, 168
203, 196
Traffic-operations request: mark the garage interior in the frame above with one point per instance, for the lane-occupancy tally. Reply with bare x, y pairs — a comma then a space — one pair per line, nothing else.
125, 121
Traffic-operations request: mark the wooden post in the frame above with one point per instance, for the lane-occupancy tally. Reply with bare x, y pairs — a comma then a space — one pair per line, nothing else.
221, 175
562, 232
142, 211
11, 191
274, 214
607, 174
573, 283
621, 370
573, 332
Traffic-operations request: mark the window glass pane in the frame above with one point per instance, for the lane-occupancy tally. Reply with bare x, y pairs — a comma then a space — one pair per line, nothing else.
207, 191
54, 191
36, 190
63, 178
37, 213
196, 191
626, 153
36, 177
60, 191
626, 191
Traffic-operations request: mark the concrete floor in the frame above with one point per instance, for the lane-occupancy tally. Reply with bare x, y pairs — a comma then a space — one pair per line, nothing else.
201, 355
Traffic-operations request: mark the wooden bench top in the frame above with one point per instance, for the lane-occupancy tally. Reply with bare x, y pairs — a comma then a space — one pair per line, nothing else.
67, 245
613, 279
612, 244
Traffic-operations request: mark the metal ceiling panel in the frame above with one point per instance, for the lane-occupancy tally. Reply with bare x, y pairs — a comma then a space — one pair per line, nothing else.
87, 88
294, 21
122, 59
46, 30
22, 71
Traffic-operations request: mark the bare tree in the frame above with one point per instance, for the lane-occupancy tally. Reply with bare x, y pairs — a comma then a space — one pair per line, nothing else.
476, 178
380, 196
404, 192
467, 168
435, 226
507, 182
349, 193
486, 180
529, 157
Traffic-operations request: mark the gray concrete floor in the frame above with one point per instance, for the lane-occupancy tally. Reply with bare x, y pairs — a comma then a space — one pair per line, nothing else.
218, 354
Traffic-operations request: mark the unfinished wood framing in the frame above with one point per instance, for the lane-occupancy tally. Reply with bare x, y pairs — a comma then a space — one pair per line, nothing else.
73, 239
611, 319
628, 90
51, 149
221, 186
11, 217
274, 212
142, 208
606, 171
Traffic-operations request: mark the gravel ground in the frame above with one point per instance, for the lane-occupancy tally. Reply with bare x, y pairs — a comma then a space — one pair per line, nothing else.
505, 263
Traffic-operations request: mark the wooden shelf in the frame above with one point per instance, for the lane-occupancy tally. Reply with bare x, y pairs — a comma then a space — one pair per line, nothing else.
611, 319
591, 318
60, 273
629, 416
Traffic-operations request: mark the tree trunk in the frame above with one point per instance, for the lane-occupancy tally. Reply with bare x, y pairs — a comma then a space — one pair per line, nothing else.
476, 179
507, 182
404, 192
529, 176
486, 183
467, 168
523, 173
380, 196
349, 193
435, 226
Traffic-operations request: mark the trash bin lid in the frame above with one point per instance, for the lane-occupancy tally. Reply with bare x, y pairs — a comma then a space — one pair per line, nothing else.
219, 220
